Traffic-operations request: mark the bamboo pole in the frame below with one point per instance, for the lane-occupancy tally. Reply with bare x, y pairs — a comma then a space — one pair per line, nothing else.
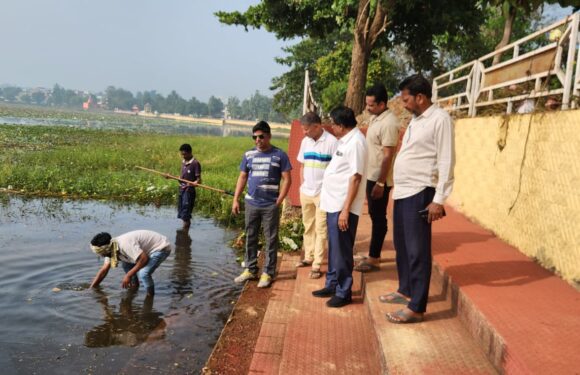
167, 175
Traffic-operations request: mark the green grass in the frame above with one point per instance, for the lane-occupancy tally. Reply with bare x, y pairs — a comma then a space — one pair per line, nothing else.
100, 164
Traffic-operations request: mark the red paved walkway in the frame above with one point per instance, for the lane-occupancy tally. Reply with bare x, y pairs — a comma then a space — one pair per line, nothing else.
491, 310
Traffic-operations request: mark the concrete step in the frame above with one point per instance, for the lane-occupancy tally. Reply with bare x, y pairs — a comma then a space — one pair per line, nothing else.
439, 345
525, 318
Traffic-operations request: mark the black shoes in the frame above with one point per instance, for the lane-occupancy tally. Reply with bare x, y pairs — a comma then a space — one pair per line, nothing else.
336, 301
324, 292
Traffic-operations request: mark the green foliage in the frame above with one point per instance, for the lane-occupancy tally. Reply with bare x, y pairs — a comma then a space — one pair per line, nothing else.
289, 86
288, 19
328, 31
462, 47
416, 24
10, 93
61, 97
119, 98
234, 108
333, 95
215, 107
98, 164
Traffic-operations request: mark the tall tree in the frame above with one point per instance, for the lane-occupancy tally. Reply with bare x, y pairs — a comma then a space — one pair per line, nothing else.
234, 108
11, 92
370, 22
215, 106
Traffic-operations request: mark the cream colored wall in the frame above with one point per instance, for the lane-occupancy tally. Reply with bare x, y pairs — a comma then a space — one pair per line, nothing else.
529, 192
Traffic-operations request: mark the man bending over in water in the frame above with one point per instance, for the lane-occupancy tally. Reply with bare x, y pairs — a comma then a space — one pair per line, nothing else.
140, 252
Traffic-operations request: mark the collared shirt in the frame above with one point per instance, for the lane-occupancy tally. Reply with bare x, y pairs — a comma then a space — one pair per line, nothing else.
349, 159
264, 169
315, 156
191, 171
133, 244
427, 156
383, 131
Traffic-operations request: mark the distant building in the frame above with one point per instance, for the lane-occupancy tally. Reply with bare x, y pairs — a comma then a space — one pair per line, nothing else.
135, 108
147, 108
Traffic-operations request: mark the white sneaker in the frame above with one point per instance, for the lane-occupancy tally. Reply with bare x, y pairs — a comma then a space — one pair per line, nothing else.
245, 276
265, 281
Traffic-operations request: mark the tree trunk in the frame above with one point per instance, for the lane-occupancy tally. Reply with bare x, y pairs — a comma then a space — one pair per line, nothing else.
366, 33
507, 32
357, 79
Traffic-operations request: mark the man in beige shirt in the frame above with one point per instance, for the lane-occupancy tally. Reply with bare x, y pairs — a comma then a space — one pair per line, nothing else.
382, 137
423, 176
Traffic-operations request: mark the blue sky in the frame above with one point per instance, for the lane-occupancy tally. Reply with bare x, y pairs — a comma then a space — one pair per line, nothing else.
138, 45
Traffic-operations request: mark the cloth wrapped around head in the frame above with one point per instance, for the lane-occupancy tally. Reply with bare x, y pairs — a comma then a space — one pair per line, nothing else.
110, 250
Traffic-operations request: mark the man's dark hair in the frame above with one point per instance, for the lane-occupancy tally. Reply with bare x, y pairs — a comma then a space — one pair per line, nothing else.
379, 91
310, 118
263, 126
343, 116
185, 147
101, 239
417, 84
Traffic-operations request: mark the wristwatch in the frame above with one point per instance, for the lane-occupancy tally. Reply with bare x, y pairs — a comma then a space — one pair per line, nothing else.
381, 184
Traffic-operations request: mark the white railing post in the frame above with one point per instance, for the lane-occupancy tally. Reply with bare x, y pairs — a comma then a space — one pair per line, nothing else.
576, 88
474, 92
570, 61
434, 91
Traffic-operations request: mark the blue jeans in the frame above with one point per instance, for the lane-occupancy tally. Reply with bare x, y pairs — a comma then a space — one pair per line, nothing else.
144, 274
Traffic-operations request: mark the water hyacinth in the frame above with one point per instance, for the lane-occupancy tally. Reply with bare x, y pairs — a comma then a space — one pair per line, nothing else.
100, 164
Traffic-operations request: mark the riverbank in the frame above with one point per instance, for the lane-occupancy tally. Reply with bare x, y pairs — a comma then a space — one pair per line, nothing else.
210, 121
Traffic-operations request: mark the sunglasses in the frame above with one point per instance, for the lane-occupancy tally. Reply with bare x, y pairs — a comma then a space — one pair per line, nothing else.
261, 136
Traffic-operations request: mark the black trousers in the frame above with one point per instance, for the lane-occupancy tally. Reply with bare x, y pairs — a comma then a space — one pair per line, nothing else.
412, 238
378, 214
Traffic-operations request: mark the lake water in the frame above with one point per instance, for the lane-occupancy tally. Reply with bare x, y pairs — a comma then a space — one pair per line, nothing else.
149, 125
75, 330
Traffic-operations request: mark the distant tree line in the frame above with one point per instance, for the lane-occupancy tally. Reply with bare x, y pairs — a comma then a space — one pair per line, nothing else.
258, 106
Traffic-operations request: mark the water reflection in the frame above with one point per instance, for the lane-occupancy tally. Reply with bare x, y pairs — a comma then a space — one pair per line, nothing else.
182, 266
131, 325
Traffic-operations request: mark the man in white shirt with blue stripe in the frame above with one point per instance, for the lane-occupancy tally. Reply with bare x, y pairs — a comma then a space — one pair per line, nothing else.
315, 153
423, 177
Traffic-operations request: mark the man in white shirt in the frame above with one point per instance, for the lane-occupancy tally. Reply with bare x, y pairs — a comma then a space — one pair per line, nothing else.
315, 153
382, 138
342, 197
140, 252
423, 176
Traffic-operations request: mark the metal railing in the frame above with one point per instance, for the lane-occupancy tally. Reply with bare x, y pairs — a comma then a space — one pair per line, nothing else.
540, 71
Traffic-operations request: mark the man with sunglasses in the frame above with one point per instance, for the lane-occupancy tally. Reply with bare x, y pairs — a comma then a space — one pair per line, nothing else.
423, 176
266, 170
